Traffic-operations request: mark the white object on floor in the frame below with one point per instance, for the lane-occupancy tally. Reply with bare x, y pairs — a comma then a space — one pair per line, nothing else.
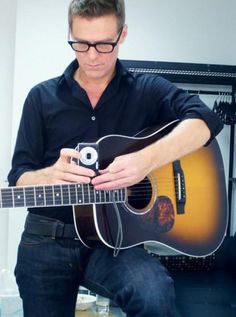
85, 301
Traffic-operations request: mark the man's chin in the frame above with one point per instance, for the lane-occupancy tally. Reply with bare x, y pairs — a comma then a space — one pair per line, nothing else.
95, 74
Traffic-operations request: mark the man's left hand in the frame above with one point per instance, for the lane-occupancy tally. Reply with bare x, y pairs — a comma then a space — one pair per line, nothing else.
124, 171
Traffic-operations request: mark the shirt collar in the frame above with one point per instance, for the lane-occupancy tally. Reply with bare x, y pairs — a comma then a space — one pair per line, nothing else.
67, 77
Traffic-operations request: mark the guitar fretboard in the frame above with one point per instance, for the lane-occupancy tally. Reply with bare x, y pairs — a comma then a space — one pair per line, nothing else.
57, 195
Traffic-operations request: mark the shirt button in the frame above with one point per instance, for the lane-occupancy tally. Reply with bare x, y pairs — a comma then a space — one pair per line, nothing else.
93, 118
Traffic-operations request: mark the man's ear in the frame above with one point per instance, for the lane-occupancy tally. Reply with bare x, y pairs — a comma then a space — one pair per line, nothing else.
124, 34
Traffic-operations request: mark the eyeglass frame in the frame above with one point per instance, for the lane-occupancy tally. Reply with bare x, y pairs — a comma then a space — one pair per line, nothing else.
113, 44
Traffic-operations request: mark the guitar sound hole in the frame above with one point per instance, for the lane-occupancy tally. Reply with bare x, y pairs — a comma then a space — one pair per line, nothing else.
139, 195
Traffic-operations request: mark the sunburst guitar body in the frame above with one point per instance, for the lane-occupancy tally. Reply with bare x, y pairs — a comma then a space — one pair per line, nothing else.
182, 205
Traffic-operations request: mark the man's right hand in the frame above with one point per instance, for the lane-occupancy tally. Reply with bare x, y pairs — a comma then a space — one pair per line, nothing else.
65, 170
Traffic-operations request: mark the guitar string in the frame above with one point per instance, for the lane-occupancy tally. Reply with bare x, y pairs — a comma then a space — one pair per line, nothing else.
73, 185
138, 190
135, 194
30, 190
95, 192
69, 185
133, 189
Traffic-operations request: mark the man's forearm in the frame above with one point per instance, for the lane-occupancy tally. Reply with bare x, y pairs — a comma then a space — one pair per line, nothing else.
61, 172
40, 176
188, 136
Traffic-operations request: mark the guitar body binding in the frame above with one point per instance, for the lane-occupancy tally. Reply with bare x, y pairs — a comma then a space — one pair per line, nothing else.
187, 213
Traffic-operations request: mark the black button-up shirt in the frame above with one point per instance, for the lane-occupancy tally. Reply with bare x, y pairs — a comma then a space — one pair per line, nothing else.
57, 113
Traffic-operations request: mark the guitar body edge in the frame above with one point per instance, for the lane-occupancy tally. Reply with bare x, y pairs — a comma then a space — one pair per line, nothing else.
196, 231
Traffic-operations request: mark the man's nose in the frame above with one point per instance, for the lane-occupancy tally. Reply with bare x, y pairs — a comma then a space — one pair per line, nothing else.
92, 52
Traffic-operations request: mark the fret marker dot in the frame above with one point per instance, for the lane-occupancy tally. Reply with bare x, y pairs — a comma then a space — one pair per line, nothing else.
57, 195
18, 197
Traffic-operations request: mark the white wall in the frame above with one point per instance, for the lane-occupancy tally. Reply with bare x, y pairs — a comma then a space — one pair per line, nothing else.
7, 44
198, 31
182, 31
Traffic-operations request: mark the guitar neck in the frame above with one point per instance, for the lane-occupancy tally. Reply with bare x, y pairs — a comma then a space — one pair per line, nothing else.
57, 195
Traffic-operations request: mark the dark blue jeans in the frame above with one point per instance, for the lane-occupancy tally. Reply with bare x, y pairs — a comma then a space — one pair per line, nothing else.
49, 272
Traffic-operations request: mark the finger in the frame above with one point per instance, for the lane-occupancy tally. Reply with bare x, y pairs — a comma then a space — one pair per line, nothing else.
115, 167
73, 178
103, 171
66, 154
112, 169
82, 180
108, 177
80, 170
116, 184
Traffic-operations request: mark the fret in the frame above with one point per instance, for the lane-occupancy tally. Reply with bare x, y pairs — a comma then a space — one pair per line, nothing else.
60, 188
86, 196
24, 196
123, 194
44, 195
49, 196
102, 196
91, 194
79, 194
72, 191
35, 195
57, 195
88, 189
39, 196
110, 195
82, 196
18, 195
114, 195
7, 198
118, 195
107, 196
88, 193
65, 194
97, 196
29, 196
94, 195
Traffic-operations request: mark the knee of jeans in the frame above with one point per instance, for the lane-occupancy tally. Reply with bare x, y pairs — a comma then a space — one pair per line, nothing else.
155, 299
162, 299
159, 295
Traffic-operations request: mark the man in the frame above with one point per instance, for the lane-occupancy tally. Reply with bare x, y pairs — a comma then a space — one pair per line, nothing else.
95, 97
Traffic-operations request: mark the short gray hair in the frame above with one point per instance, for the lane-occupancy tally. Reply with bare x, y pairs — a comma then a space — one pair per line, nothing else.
97, 8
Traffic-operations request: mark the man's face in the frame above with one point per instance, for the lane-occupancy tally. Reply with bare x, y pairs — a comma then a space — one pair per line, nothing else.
95, 65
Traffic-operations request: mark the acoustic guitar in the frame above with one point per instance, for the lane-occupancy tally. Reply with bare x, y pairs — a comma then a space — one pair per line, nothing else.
182, 205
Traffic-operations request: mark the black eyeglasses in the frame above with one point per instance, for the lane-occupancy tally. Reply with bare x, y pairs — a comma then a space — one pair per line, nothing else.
100, 47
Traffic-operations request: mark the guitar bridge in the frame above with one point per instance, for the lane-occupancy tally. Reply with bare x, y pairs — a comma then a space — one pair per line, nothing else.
180, 192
